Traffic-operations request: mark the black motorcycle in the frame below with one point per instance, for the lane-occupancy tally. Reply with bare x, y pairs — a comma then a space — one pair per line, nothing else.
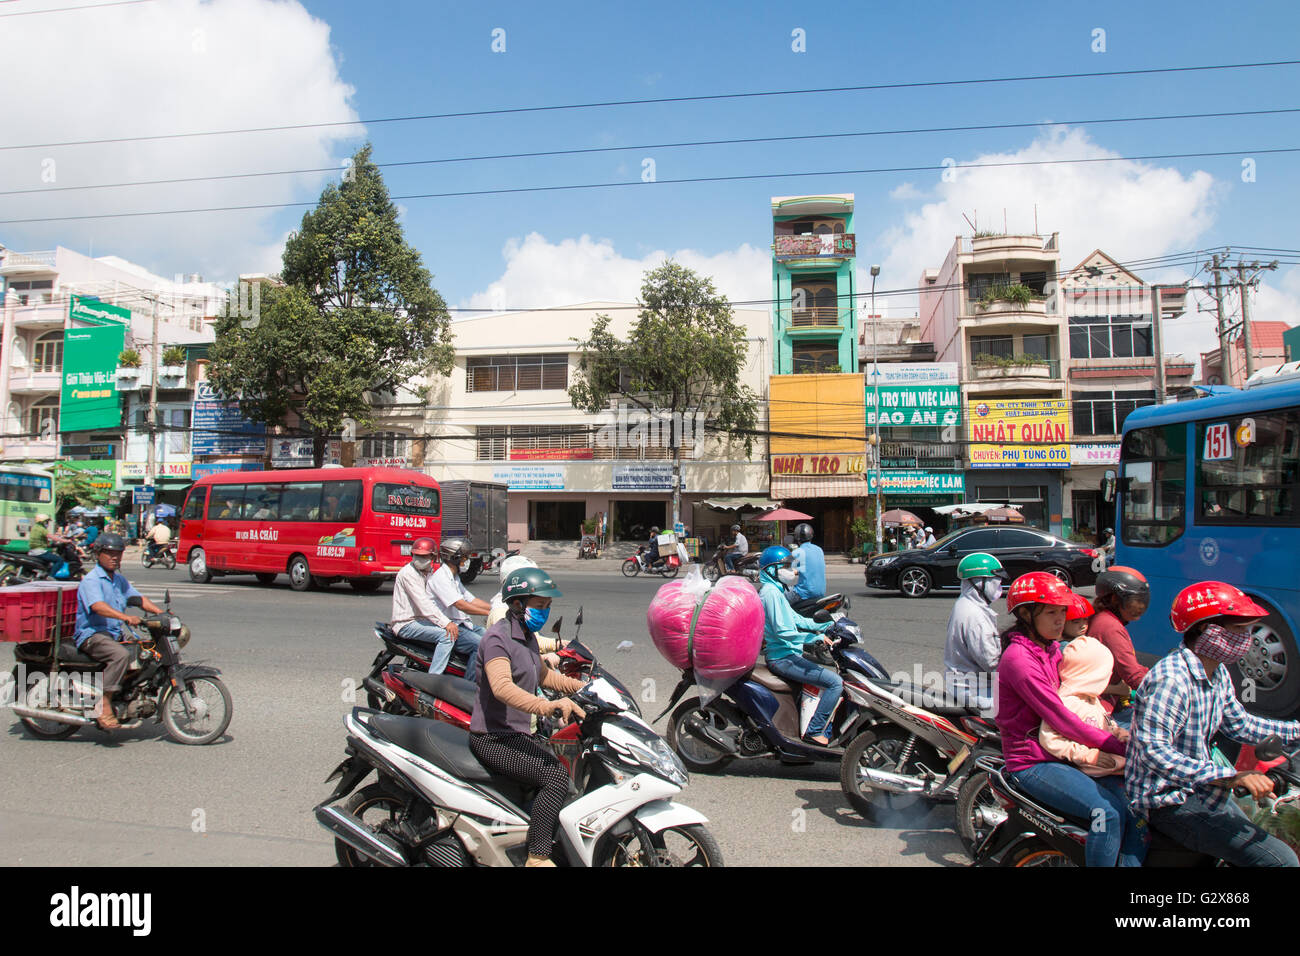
60, 691
164, 554
716, 566
68, 565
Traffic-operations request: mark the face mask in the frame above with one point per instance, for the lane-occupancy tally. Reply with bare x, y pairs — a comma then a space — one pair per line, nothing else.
786, 576
463, 567
422, 563
991, 588
535, 618
1227, 645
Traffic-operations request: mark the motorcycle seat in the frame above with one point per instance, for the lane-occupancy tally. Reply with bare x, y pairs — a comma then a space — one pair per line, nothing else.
809, 606
936, 701
39, 652
454, 690
448, 747
761, 675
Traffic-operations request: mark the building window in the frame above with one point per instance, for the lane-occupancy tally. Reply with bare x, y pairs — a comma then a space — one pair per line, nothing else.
994, 346
43, 420
1114, 336
510, 373
980, 282
811, 357
1103, 413
47, 353
493, 442
1039, 346
177, 423
384, 445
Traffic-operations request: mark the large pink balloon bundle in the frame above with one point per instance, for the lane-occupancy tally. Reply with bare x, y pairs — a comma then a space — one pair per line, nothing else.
722, 640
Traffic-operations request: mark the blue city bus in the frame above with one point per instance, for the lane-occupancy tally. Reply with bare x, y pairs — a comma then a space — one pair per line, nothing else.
1207, 491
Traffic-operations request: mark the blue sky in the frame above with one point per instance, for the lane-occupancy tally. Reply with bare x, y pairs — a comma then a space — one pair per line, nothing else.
405, 58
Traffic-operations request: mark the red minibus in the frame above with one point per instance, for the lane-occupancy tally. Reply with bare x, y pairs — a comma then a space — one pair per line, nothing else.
316, 525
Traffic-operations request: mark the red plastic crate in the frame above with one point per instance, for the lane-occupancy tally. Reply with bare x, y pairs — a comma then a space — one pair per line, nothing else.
27, 611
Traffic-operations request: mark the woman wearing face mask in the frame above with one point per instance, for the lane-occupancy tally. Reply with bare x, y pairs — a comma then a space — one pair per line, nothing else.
1028, 695
784, 635
1186, 699
973, 649
499, 733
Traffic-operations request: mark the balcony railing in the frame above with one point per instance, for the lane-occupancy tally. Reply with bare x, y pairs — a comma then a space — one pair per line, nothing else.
28, 259
815, 317
1039, 368
841, 245
903, 454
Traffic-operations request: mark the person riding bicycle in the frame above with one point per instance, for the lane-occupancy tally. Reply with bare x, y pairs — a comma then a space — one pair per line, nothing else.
970, 656
102, 600
1186, 699
738, 548
500, 730
809, 565
1028, 693
1123, 595
785, 633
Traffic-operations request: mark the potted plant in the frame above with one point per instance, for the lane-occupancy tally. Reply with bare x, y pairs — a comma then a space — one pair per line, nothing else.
173, 356
128, 366
173, 366
864, 536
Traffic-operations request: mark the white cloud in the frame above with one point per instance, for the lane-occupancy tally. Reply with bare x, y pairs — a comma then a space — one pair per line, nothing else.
543, 274
906, 191
1130, 210
1279, 301
169, 67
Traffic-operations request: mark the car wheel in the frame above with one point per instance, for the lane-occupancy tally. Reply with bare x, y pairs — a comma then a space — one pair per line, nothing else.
1060, 574
914, 582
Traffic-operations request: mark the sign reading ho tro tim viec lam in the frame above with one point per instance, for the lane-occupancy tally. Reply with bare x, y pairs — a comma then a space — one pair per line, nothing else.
1028, 433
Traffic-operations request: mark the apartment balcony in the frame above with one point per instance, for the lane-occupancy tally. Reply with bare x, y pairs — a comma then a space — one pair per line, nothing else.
919, 455
24, 263
817, 249
47, 316
991, 315
817, 319
24, 382
1040, 375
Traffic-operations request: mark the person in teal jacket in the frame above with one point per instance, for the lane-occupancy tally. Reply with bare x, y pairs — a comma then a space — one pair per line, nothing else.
784, 635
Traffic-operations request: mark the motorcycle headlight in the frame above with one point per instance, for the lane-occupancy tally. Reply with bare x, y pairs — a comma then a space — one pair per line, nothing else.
182, 636
660, 759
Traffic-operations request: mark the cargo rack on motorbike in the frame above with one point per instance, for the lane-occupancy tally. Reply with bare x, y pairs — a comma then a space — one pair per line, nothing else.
41, 612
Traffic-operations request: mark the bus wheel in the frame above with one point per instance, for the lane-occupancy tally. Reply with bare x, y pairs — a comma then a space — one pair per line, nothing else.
1268, 677
199, 572
365, 585
300, 577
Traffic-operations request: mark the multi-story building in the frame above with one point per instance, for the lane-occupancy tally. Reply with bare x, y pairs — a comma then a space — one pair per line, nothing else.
1112, 371
504, 415
1267, 347
992, 308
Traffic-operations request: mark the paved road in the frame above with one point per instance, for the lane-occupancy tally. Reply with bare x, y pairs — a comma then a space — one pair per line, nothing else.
291, 660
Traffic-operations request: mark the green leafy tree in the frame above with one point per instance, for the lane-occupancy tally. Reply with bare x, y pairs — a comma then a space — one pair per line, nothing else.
683, 356
358, 314
72, 487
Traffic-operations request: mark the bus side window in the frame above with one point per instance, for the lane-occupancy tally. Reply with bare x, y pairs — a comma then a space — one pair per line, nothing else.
341, 501
194, 506
300, 501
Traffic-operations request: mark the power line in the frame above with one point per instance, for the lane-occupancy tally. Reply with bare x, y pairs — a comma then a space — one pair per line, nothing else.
88, 6
650, 146
668, 99
665, 182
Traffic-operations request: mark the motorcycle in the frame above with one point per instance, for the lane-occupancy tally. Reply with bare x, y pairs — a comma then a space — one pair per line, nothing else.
434, 804
764, 715
667, 566
418, 653
69, 565
189, 700
716, 566
1036, 835
923, 747
163, 554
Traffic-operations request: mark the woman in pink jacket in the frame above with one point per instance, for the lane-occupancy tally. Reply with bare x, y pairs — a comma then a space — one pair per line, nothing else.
1028, 697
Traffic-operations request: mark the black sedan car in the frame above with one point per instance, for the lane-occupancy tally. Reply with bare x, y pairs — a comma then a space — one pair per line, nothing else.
918, 572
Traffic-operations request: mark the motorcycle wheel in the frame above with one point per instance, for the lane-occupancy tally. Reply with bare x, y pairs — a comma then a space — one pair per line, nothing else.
169, 560
38, 695
978, 811
1035, 853
670, 573
145, 559
711, 573
688, 845
381, 805
210, 723
698, 756
630, 568
879, 748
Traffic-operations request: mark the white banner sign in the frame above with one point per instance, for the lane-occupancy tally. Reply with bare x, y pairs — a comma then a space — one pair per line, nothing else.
644, 476
297, 453
137, 469
913, 373
530, 477
1102, 454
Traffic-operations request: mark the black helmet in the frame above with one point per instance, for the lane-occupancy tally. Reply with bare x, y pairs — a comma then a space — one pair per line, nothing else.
453, 550
528, 582
1118, 584
803, 532
108, 541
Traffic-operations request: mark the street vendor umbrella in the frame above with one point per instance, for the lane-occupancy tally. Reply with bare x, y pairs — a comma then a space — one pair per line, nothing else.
96, 512
1005, 515
898, 518
78, 510
164, 510
783, 514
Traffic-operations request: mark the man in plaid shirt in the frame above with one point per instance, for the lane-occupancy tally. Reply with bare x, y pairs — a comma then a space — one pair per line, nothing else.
1184, 701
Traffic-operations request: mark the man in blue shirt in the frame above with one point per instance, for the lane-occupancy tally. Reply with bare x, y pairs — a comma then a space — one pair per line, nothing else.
809, 564
102, 600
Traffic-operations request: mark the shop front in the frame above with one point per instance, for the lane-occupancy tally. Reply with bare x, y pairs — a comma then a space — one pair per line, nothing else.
1086, 513
1019, 455
829, 488
919, 492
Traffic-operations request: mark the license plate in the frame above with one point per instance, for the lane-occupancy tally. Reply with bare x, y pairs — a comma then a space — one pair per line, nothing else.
406, 549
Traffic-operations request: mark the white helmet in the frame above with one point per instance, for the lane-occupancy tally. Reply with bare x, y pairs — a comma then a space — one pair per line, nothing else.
514, 563
928, 528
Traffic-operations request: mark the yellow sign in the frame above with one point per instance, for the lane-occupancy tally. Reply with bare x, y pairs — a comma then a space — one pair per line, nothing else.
1019, 434
825, 413
818, 464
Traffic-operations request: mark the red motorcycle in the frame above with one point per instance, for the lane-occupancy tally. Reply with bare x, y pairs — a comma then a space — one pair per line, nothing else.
641, 561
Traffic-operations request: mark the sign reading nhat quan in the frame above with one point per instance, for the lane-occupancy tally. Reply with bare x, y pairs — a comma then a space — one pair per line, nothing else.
1019, 434
818, 465
89, 396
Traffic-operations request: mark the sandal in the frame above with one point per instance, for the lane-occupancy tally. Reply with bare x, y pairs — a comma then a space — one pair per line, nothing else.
817, 741
108, 722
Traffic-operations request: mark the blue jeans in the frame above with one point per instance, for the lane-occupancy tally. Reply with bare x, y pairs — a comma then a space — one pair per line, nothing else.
1226, 833
1115, 838
1124, 717
731, 558
798, 668
467, 641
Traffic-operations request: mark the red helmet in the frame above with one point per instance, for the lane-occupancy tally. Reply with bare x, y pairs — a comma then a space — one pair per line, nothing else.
1080, 608
1200, 602
1038, 587
423, 546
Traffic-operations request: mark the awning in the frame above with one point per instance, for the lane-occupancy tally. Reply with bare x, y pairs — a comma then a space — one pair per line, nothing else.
737, 502
840, 486
973, 508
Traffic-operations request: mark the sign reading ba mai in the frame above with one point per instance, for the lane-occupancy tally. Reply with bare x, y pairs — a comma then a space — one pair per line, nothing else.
1020, 434
818, 464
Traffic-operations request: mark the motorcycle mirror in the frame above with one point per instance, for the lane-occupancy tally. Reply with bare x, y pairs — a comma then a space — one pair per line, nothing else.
1271, 748
135, 602
167, 597
822, 616
555, 628
578, 621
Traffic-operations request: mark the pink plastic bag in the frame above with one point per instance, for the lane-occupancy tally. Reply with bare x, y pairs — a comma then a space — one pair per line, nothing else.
728, 628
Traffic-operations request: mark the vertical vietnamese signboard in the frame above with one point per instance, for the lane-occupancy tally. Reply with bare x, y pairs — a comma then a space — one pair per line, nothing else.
89, 396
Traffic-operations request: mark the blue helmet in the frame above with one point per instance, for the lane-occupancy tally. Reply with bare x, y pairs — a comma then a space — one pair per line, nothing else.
773, 554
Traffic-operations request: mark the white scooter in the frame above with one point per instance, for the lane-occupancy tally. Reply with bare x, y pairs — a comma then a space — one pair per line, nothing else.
435, 805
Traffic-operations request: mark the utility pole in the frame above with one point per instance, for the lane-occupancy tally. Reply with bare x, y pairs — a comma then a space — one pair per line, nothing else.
151, 464
1245, 317
875, 373
1225, 354
1156, 316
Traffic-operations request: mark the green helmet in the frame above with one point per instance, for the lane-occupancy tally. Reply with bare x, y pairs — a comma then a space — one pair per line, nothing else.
528, 582
980, 565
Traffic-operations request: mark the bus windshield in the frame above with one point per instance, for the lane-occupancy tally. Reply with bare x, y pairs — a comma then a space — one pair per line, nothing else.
24, 493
